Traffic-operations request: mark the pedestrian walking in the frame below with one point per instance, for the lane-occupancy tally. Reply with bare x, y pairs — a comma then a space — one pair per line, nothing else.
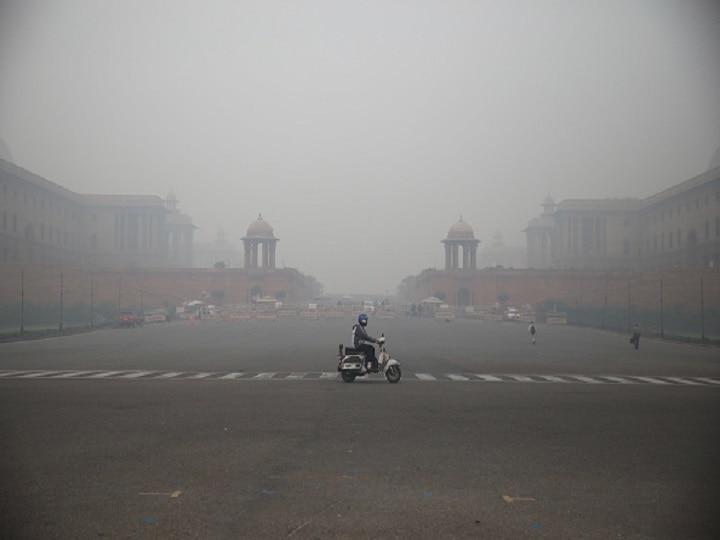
635, 338
532, 331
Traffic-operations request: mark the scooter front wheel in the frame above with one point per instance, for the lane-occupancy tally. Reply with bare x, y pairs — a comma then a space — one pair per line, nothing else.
393, 374
347, 376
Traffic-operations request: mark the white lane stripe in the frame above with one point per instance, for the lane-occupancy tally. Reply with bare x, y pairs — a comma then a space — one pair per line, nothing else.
69, 374
39, 374
619, 380
521, 378
552, 378
329, 375
650, 380
584, 379
489, 378
136, 374
708, 380
264, 376
234, 375
9, 373
425, 377
200, 375
105, 374
683, 381
454, 377
296, 376
169, 375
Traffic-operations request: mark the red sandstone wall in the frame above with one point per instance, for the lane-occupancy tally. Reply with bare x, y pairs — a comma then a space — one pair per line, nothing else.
147, 287
577, 287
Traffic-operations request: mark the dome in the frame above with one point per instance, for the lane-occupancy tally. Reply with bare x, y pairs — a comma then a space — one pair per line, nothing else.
461, 231
260, 229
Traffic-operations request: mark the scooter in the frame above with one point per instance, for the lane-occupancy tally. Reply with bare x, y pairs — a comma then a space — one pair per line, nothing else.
351, 364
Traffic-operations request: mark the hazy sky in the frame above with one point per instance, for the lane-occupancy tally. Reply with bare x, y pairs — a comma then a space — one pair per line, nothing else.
361, 130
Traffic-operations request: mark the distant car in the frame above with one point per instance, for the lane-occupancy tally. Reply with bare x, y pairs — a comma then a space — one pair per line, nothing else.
129, 320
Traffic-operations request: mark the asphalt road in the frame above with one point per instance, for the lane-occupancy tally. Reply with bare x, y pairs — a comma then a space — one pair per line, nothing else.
243, 430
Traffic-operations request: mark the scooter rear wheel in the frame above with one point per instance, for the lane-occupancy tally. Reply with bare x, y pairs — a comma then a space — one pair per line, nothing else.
347, 376
393, 374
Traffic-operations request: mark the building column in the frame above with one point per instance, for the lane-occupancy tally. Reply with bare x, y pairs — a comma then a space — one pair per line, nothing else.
247, 253
272, 253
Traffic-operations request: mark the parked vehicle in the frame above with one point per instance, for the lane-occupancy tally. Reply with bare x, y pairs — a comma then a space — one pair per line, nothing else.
351, 364
128, 319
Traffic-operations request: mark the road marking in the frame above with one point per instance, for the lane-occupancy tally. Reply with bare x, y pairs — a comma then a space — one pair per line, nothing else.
489, 378
683, 381
521, 378
170, 375
72, 374
234, 375
588, 380
618, 380
707, 380
651, 380
200, 375
668, 381
136, 374
552, 378
106, 374
39, 374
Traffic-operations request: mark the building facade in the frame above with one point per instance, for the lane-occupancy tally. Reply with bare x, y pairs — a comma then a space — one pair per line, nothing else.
678, 227
46, 223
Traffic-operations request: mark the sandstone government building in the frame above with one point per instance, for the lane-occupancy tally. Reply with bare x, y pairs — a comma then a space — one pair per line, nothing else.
42, 222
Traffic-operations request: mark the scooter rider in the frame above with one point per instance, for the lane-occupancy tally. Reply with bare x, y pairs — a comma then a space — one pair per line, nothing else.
362, 342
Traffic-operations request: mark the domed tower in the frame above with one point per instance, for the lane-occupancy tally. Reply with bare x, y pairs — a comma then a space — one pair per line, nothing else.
260, 233
459, 236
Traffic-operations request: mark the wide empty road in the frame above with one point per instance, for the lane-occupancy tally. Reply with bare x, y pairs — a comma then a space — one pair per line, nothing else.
245, 430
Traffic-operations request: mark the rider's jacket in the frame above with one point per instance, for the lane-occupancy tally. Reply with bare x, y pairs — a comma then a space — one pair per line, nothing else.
360, 336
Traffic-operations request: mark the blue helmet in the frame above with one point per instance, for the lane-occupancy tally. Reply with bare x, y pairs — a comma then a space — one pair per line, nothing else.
362, 319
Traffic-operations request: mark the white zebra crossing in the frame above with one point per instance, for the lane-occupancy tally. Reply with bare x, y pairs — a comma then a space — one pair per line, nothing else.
510, 378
